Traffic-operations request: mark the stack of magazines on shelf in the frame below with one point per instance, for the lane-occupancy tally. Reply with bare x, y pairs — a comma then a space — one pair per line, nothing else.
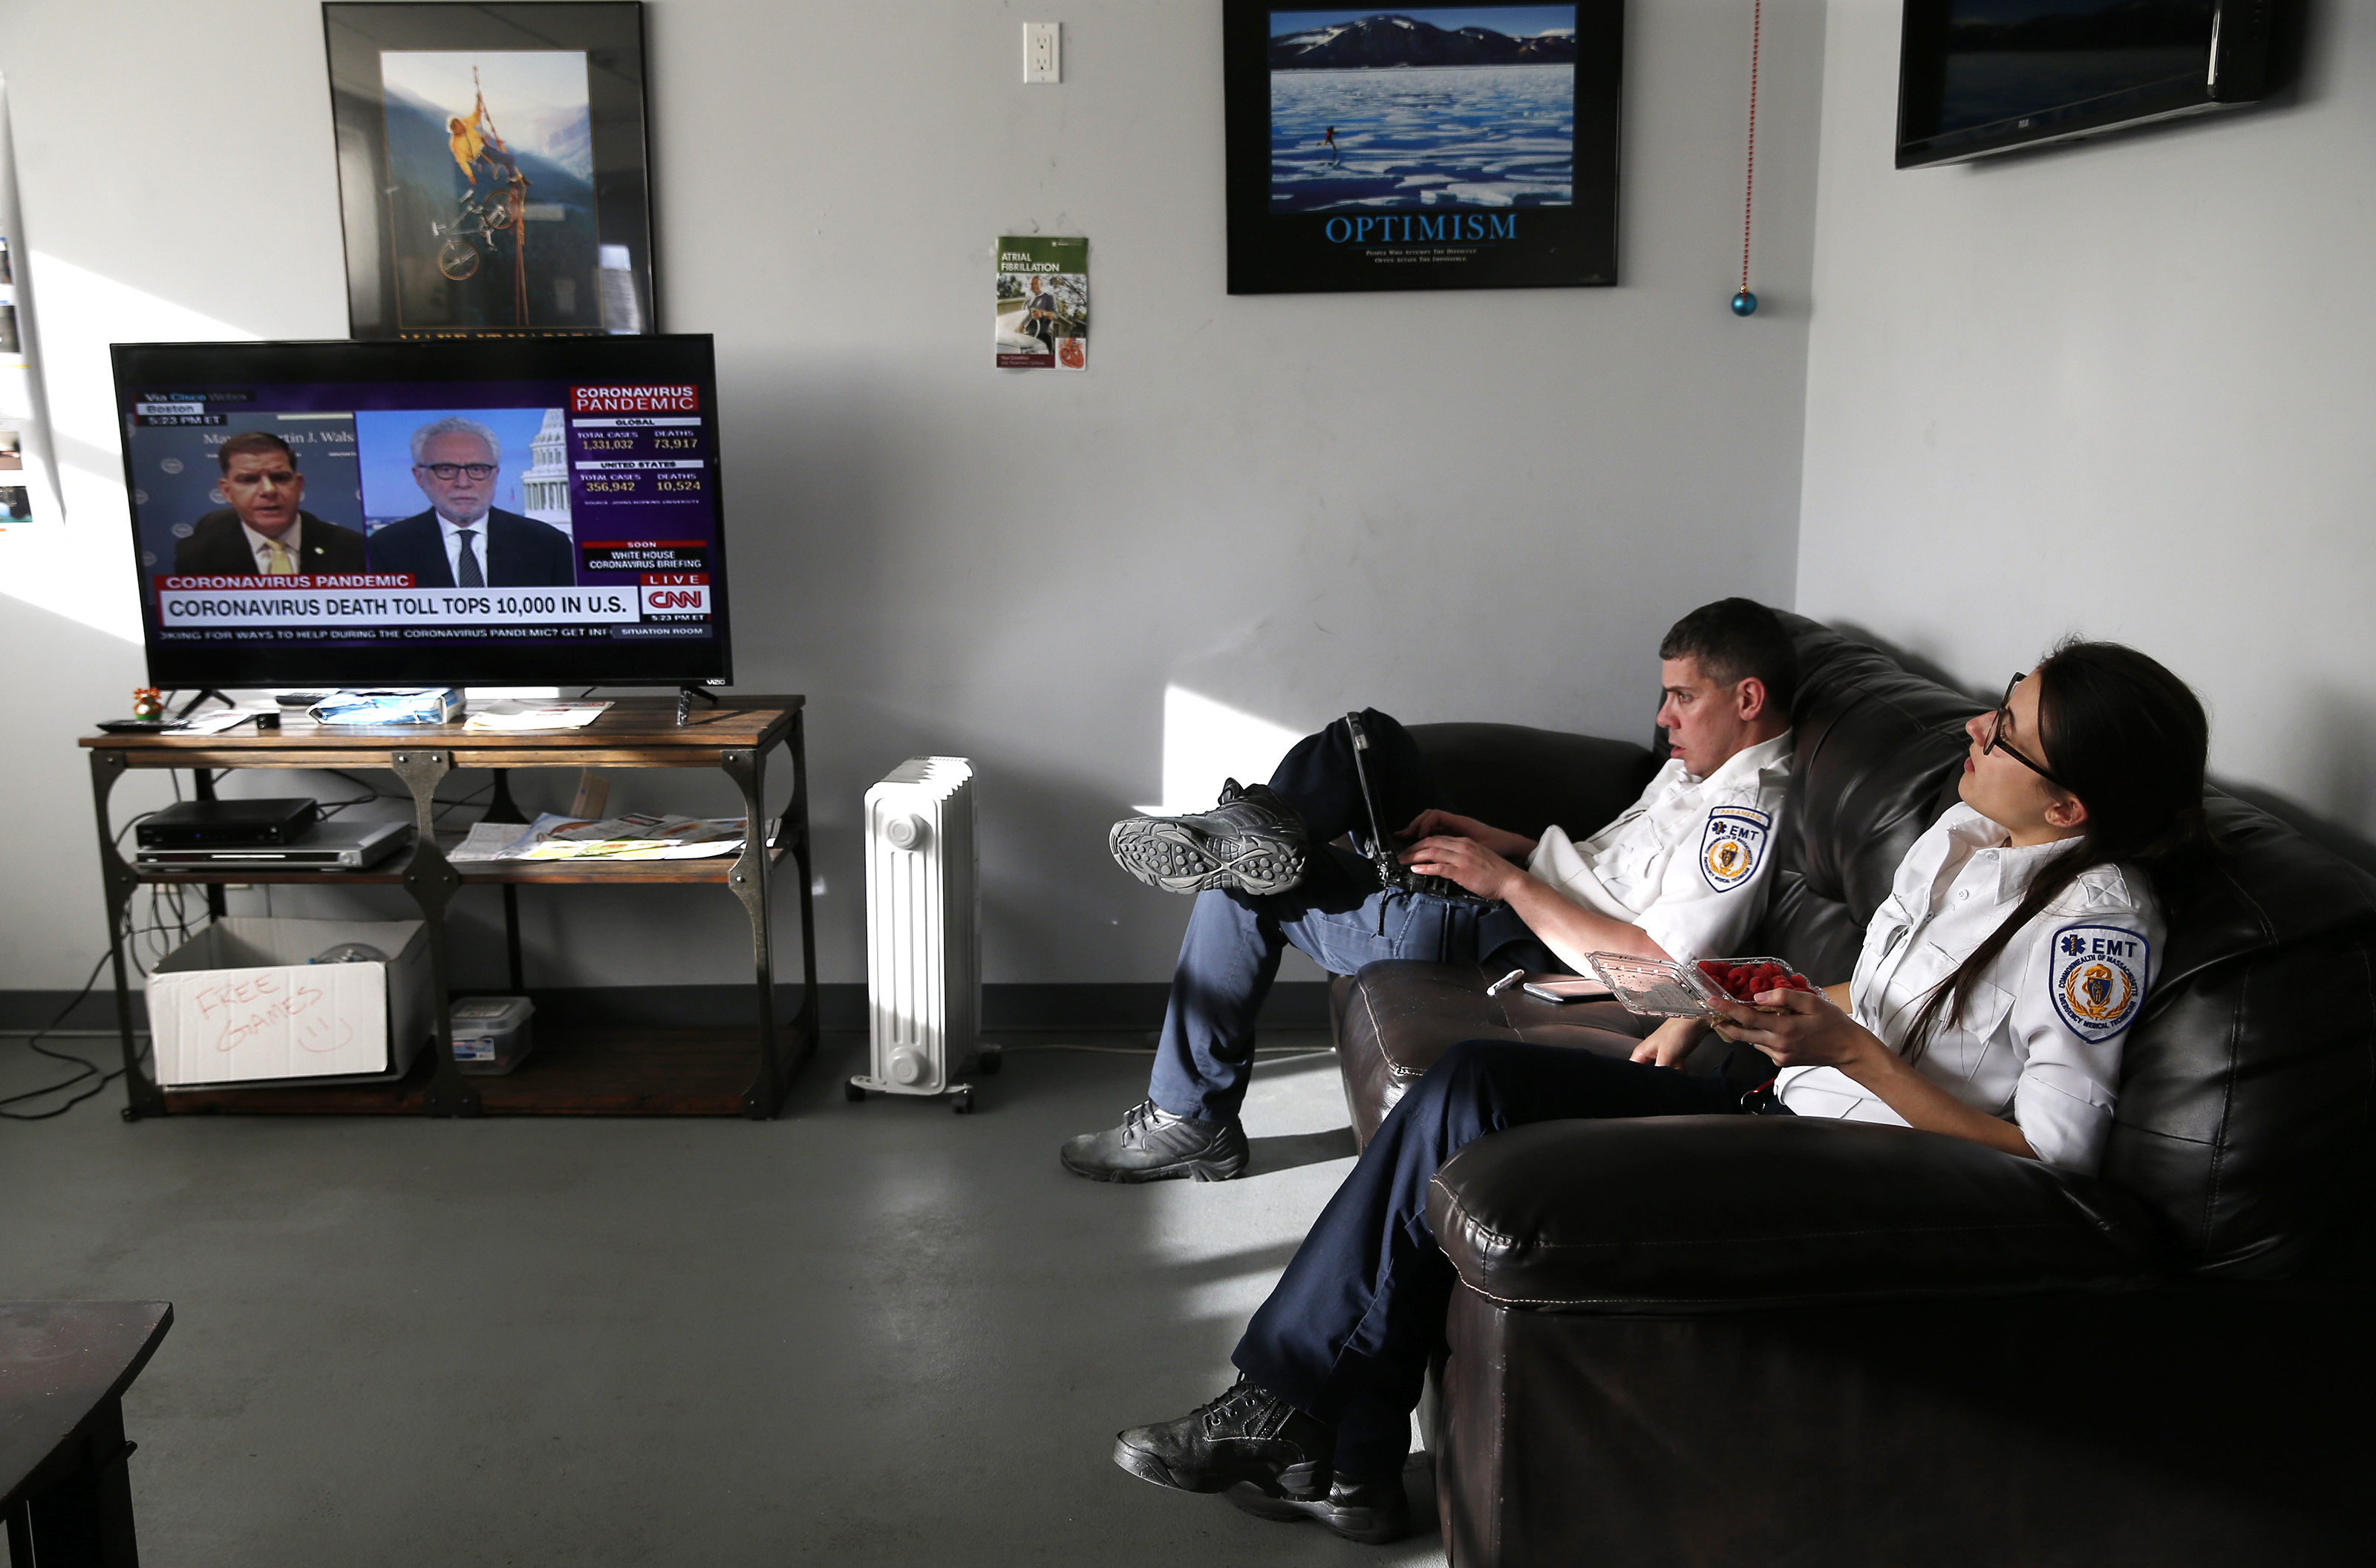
634, 837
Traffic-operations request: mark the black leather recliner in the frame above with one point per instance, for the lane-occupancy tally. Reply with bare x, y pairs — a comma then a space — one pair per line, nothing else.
1734, 1340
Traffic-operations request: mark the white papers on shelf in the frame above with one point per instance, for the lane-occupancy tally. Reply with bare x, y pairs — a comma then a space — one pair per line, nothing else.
486, 841
215, 723
510, 715
631, 837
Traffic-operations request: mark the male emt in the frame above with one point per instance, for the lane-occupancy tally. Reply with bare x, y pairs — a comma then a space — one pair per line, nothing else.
263, 532
1681, 873
463, 541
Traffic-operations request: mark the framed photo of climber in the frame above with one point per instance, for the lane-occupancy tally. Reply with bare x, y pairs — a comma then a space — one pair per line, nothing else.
1447, 146
492, 168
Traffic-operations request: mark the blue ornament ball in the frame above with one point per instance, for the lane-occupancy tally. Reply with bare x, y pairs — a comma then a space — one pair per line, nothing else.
1744, 303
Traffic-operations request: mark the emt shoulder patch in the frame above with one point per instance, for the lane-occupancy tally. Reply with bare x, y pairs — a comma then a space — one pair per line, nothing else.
1731, 844
2099, 979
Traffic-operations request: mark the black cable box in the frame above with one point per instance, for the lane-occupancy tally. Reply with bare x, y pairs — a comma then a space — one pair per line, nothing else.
206, 825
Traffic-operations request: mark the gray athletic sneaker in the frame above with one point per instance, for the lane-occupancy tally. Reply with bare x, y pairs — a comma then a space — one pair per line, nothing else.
1251, 840
1152, 1145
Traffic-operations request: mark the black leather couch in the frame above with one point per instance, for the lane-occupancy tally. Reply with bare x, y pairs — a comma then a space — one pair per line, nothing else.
1751, 1340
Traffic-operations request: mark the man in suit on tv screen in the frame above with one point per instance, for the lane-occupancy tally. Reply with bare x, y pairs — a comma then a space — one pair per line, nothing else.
463, 541
264, 531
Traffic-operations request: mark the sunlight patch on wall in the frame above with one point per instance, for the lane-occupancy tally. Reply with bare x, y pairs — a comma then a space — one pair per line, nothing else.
1206, 741
82, 312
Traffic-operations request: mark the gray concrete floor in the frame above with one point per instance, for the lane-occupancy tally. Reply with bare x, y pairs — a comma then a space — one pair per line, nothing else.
860, 1334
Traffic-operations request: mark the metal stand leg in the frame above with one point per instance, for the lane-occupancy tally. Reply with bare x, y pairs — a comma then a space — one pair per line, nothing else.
202, 787
141, 1094
747, 767
432, 882
500, 807
514, 965
796, 821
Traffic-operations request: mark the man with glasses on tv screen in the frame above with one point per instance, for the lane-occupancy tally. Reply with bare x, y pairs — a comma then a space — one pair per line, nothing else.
464, 541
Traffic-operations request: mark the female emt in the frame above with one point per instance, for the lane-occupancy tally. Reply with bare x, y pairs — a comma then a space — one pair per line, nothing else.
1988, 1004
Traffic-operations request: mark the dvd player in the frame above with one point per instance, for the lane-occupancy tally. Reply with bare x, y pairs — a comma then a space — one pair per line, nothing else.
191, 824
328, 845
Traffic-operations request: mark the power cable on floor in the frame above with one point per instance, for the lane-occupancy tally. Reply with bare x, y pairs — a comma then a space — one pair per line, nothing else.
88, 1069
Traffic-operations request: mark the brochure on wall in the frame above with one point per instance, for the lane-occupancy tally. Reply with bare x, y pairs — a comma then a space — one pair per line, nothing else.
1043, 303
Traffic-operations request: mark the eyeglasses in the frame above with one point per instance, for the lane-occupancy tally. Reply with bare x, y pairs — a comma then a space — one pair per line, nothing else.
1997, 742
450, 471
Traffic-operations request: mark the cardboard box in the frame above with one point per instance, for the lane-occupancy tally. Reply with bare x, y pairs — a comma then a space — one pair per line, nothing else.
239, 1005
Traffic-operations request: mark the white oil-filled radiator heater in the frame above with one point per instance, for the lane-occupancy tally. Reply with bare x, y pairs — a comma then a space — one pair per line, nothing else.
923, 935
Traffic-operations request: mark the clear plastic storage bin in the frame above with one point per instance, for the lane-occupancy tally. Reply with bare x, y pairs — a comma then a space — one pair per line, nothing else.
1662, 987
492, 1033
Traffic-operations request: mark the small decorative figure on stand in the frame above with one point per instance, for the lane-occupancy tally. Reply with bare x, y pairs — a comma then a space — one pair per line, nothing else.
148, 702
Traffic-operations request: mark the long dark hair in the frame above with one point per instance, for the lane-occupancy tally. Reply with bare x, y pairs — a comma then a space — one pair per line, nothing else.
2128, 738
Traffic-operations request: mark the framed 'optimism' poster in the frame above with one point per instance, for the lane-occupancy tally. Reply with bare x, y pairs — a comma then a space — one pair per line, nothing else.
1461, 145
492, 168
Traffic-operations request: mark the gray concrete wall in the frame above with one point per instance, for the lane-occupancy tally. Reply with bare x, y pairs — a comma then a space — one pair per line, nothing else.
1470, 504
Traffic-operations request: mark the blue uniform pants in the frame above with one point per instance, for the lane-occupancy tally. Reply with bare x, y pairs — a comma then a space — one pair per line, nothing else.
1347, 1334
1340, 916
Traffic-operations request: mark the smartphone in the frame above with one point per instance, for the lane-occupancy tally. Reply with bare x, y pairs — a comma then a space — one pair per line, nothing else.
1577, 989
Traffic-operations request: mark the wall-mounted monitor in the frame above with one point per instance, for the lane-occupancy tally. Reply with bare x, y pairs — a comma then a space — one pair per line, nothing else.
476, 512
1977, 77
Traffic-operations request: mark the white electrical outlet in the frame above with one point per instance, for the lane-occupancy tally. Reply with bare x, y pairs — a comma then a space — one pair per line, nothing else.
1043, 52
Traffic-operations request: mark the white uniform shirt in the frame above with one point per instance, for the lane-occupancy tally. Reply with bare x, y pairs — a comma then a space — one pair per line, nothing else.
2039, 1040
1687, 862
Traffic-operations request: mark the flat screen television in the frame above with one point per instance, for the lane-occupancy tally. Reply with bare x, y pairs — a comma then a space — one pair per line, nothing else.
1977, 77
459, 512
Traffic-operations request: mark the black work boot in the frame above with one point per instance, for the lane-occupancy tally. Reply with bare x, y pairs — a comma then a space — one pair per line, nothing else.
1251, 840
1152, 1145
1370, 1511
1248, 1434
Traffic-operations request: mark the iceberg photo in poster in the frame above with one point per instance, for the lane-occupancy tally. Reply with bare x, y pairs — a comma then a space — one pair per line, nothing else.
1422, 111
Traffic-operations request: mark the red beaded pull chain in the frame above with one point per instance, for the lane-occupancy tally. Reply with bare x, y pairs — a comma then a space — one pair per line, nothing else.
1745, 303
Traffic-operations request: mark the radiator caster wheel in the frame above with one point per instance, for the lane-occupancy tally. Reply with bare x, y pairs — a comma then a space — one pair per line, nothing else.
962, 1102
988, 1060
852, 1093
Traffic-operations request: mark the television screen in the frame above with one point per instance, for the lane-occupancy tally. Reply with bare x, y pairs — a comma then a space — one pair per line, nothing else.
1983, 75
508, 512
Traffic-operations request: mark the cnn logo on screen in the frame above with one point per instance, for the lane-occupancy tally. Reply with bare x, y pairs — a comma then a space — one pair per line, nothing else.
676, 599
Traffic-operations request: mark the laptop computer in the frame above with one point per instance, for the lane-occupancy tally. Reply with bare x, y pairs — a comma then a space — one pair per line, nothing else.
1392, 873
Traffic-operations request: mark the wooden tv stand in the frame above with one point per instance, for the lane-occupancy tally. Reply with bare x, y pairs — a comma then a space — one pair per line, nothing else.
582, 1070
